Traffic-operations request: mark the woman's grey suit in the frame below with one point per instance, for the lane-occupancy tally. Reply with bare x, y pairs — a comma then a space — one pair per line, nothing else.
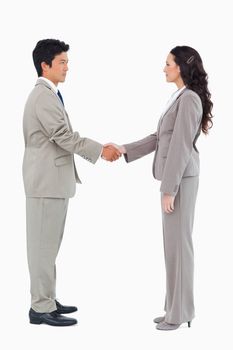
50, 178
176, 165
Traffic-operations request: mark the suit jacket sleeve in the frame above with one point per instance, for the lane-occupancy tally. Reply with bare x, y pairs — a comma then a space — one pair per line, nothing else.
141, 148
52, 120
181, 145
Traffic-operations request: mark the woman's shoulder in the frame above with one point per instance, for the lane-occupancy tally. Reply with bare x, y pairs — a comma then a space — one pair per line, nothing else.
190, 96
188, 93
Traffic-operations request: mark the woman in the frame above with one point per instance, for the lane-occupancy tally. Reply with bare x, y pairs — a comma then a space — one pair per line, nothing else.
176, 165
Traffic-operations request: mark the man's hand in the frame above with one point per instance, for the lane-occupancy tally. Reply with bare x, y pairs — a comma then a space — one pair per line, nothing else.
110, 153
168, 203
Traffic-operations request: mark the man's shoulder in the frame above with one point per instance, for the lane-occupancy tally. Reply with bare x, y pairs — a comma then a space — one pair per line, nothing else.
41, 93
41, 97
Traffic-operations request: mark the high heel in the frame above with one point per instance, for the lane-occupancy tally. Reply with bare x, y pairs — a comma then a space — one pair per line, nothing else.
164, 326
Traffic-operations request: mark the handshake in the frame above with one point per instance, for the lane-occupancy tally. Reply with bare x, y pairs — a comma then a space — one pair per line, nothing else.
112, 152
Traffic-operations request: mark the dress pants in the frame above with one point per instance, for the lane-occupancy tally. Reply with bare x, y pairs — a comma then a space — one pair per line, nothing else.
178, 252
45, 226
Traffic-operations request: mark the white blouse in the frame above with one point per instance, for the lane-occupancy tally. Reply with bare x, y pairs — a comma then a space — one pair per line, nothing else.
172, 100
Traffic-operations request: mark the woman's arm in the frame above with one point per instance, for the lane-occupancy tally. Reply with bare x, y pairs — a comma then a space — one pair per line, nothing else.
141, 148
137, 149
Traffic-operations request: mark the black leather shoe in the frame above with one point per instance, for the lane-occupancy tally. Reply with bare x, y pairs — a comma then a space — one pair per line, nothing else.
63, 309
50, 318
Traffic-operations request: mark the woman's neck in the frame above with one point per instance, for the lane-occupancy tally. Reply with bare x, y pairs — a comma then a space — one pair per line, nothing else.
179, 83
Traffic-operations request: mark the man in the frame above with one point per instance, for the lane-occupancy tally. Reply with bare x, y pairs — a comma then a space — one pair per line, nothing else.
50, 177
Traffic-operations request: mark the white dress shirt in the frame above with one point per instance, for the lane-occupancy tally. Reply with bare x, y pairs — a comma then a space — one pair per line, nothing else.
172, 100
51, 84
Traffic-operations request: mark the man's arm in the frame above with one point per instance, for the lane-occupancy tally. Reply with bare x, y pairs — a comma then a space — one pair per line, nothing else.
53, 124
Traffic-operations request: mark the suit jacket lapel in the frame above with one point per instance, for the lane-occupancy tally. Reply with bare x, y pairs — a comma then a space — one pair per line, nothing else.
174, 102
43, 82
163, 115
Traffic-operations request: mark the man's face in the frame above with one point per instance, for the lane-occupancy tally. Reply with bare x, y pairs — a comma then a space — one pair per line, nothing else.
57, 72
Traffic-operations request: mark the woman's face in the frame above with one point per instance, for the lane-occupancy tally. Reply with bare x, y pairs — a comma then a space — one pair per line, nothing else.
172, 70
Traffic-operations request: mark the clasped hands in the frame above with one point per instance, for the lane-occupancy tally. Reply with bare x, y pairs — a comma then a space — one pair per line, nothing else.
112, 152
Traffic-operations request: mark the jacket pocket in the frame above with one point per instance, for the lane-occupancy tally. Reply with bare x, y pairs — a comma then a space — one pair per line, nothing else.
63, 160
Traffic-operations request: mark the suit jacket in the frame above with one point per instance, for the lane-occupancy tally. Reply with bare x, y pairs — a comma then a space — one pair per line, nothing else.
175, 155
50, 143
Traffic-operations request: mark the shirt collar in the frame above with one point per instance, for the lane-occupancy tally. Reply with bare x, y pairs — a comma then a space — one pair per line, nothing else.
50, 83
177, 92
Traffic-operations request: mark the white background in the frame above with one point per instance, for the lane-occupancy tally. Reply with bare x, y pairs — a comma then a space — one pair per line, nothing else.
111, 261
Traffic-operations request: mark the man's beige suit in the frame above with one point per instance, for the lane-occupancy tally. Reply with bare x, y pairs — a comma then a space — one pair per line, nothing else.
50, 177
176, 165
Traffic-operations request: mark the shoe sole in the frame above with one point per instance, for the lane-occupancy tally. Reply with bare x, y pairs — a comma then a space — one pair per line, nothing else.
36, 321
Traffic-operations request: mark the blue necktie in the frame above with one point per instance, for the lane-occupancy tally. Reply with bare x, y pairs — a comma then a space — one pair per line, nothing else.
60, 96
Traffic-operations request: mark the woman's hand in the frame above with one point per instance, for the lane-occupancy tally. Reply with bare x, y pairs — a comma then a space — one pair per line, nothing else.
168, 203
120, 147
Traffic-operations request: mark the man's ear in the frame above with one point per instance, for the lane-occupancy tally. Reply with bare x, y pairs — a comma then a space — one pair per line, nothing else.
44, 66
